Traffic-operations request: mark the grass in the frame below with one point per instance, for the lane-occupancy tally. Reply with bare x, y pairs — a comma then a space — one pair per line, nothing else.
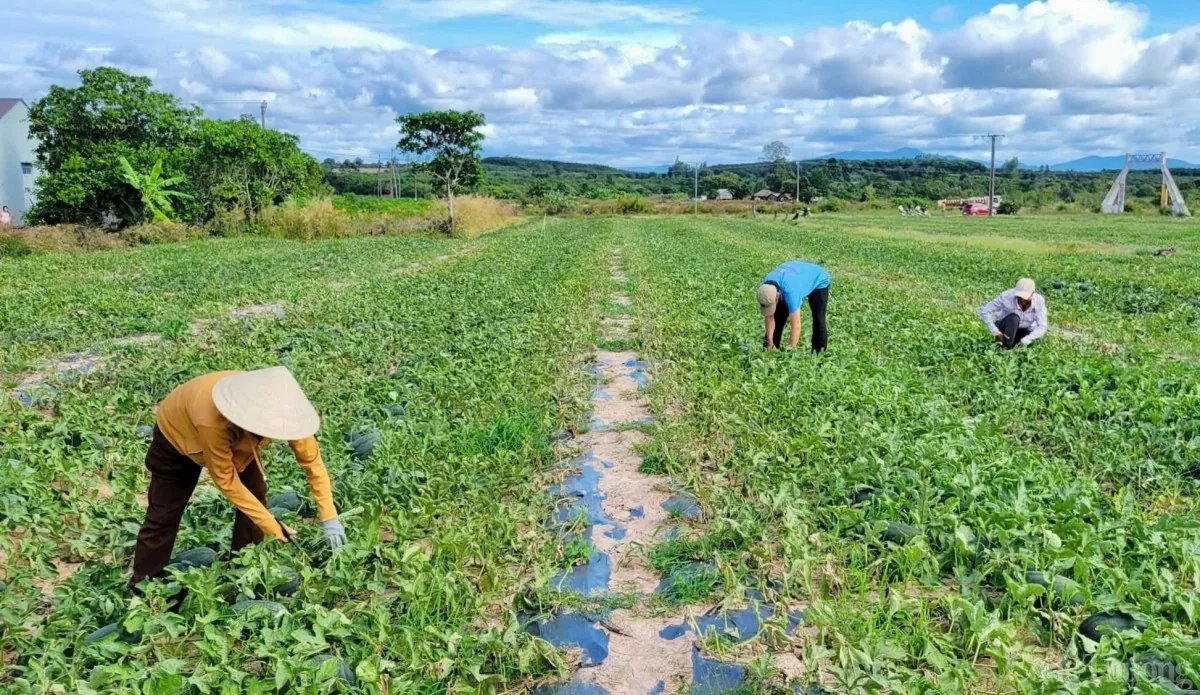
367, 205
1068, 458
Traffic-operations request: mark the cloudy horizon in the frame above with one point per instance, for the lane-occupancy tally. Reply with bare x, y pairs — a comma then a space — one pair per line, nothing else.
626, 84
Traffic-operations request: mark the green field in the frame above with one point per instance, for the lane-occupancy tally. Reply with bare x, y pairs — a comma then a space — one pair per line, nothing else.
1077, 458
400, 207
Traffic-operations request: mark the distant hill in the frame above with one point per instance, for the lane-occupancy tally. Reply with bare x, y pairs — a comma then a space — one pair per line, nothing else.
1115, 163
863, 155
545, 166
655, 169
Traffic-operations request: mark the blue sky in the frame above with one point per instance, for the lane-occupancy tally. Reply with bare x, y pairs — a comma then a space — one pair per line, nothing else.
627, 83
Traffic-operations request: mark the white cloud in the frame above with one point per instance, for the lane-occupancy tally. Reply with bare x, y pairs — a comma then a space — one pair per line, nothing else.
648, 82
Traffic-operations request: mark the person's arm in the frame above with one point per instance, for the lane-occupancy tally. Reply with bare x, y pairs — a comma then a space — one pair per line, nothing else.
218, 459
308, 455
988, 312
769, 327
796, 326
1041, 323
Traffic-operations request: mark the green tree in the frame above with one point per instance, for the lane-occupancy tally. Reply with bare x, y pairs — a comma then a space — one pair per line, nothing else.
452, 139
82, 134
240, 163
155, 191
775, 151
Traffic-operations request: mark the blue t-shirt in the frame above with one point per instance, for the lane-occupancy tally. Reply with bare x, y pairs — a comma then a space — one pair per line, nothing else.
796, 280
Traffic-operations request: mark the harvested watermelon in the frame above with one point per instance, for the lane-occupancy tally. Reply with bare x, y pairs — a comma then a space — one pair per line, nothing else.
1109, 622
115, 631
284, 582
1064, 589
362, 443
344, 672
196, 557
256, 606
289, 500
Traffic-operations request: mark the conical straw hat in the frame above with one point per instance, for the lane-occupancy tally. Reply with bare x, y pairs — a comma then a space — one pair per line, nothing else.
267, 402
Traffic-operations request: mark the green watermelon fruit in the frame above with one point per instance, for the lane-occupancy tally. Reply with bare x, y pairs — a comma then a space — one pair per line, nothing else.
196, 557
864, 494
1109, 622
395, 410
362, 443
1063, 588
144, 431
250, 607
115, 631
279, 512
289, 500
285, 582
900, 533
344, 672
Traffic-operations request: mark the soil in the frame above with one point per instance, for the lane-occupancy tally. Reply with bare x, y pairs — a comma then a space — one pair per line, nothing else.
139, 339
256, 310
639, 659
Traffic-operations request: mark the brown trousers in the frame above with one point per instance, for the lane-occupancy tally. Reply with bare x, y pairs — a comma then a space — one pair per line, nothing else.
173, 478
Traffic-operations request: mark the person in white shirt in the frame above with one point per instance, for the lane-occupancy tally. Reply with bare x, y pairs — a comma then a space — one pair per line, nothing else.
5, 217
1017, 316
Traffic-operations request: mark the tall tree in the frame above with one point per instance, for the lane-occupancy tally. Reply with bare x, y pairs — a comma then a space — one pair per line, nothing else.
452, 139
83, 132
775, 151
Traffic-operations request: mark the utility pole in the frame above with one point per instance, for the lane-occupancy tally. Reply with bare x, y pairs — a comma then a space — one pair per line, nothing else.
696, 193
264, 114
797, 200
992, 179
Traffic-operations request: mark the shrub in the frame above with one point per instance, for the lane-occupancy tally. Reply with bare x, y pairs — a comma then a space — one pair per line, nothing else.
230, 222
1008, 206
65, 238
558, 203
159, 233
476, 215
12, 247
830, 205
634, 205
317, 220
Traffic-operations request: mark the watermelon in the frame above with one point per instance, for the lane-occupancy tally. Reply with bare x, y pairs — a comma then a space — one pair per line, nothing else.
362, 443
115, 631
289, 500
395, 410
3, 586
196, 557
344, 672
1063, 588
279, 512
900, 533
77, 439
1109, 622
864, 494
251, 607
144, 431
284, 582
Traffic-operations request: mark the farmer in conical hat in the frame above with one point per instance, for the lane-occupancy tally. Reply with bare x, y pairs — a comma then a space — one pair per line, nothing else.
780, 296
220, 422
1016, 317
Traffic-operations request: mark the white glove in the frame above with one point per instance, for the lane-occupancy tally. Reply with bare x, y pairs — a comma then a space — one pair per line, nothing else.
335, 533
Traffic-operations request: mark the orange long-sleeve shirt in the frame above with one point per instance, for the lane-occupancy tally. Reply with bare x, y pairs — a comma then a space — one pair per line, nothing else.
190, 421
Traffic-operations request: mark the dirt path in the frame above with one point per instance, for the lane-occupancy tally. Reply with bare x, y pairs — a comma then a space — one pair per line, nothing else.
642, 649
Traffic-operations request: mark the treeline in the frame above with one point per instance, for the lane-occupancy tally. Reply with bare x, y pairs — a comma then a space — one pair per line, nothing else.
925, 179
115, 152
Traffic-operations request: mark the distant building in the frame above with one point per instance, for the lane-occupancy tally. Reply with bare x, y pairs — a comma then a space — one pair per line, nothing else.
785, 197
724, 194
17, 174
765, 195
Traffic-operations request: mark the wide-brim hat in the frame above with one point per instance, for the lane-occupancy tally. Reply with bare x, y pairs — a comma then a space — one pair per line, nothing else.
267, 402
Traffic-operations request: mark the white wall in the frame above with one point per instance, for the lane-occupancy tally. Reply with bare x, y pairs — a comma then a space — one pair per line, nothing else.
16, 187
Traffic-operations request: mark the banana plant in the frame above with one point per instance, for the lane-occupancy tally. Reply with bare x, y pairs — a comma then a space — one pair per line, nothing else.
156, 191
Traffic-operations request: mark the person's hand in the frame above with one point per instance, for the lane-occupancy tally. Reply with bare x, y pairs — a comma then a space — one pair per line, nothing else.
335, 533
288, 532
999, 337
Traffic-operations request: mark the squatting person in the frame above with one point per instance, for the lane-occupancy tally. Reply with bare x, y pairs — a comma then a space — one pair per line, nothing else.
220, 422
780, 296
1017, 316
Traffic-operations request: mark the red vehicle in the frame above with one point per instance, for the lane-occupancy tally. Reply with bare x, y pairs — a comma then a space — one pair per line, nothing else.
975, 209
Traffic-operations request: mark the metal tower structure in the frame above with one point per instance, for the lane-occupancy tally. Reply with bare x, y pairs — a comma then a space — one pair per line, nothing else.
1114, 202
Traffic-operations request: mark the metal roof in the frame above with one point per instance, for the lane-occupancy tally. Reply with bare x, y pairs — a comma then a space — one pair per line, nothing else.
7, 104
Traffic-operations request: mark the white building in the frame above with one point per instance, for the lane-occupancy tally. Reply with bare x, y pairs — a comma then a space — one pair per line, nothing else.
16, 159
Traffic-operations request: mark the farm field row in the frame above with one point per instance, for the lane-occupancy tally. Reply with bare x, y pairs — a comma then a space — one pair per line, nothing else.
898, 488
462, 366
1071, 458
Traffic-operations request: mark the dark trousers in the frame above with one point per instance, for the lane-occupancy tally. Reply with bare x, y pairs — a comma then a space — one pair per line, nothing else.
173, 478
1010, 326
818, 302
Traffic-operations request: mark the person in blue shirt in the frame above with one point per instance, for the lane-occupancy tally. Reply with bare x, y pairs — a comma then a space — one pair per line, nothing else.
780, 296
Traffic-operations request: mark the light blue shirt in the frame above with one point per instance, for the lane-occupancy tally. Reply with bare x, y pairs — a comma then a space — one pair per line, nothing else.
796, 280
